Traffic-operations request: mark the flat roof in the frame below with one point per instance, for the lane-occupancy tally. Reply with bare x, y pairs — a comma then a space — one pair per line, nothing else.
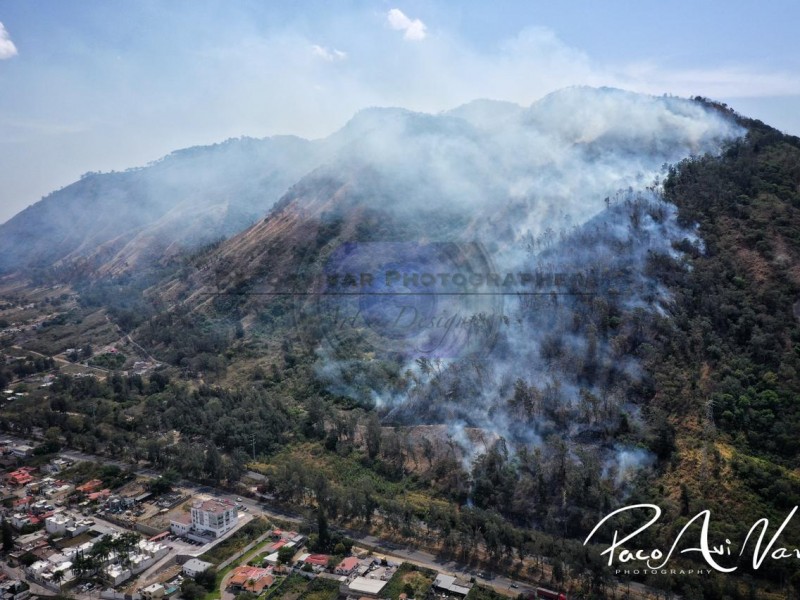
451, 584
214, 505
196, 564
367, 586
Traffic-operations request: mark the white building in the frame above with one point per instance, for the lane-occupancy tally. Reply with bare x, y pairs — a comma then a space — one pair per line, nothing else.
154, 549
181, 525
57, 524
363, 587
214, 516
62, 524
194, 566
21, 450
153, 592
116, 574
20, 520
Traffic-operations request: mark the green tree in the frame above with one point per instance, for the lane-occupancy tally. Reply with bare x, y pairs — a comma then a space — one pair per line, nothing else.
163, 484
213, 464
285, 555
191, 590
8, 536
373, 436
58, 577
323, 535
208, 579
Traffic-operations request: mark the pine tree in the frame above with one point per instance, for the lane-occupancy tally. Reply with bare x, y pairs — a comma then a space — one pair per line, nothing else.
8, 536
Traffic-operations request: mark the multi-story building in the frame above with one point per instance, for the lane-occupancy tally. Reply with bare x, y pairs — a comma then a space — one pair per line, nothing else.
214, 516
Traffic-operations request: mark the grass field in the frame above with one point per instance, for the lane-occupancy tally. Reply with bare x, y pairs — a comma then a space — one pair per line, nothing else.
236, 542
410, 579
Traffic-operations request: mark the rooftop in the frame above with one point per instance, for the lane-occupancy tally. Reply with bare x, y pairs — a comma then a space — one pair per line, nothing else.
195, 564
451, 584
317, 559
366, 586
214, 505
242, 575
184, 518
348, 564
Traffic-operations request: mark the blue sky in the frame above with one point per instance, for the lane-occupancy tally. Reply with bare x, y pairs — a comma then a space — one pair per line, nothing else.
97, 85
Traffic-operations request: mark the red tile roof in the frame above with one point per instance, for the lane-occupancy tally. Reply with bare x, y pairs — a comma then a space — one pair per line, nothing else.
260, 578
317, 559
348, 564
90, 485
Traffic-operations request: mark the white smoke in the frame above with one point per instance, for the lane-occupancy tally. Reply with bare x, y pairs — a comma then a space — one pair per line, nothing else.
567, 185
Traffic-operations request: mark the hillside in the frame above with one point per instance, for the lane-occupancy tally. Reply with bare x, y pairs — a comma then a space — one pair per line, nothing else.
483, 330
110, 223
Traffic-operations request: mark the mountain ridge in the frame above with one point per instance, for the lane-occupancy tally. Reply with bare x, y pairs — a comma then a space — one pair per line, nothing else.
106, 224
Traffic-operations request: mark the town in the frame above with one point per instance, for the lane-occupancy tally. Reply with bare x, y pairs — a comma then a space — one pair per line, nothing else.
84, 529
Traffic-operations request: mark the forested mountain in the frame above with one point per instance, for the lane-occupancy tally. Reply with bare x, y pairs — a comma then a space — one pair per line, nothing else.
521, 319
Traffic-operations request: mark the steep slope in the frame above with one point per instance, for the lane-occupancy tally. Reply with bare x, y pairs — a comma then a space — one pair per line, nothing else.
112, 222
341, 263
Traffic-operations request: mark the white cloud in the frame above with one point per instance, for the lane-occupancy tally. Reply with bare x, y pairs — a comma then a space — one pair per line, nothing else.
7, 47
328, 54
415, 29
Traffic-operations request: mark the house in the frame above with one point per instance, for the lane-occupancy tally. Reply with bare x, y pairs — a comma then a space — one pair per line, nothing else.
154, 591
57, 524
363, 587
57, 465
89, 486
40, 507
195, 566
21, 451
214, 516
23, 502
101, 495
116, 574
21, 476
272, 559
20, 520
30, 541
14, 590
451, 585
58, 489
154, 549
181, 524
318, 560
251, 579
347, 566
545, 594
